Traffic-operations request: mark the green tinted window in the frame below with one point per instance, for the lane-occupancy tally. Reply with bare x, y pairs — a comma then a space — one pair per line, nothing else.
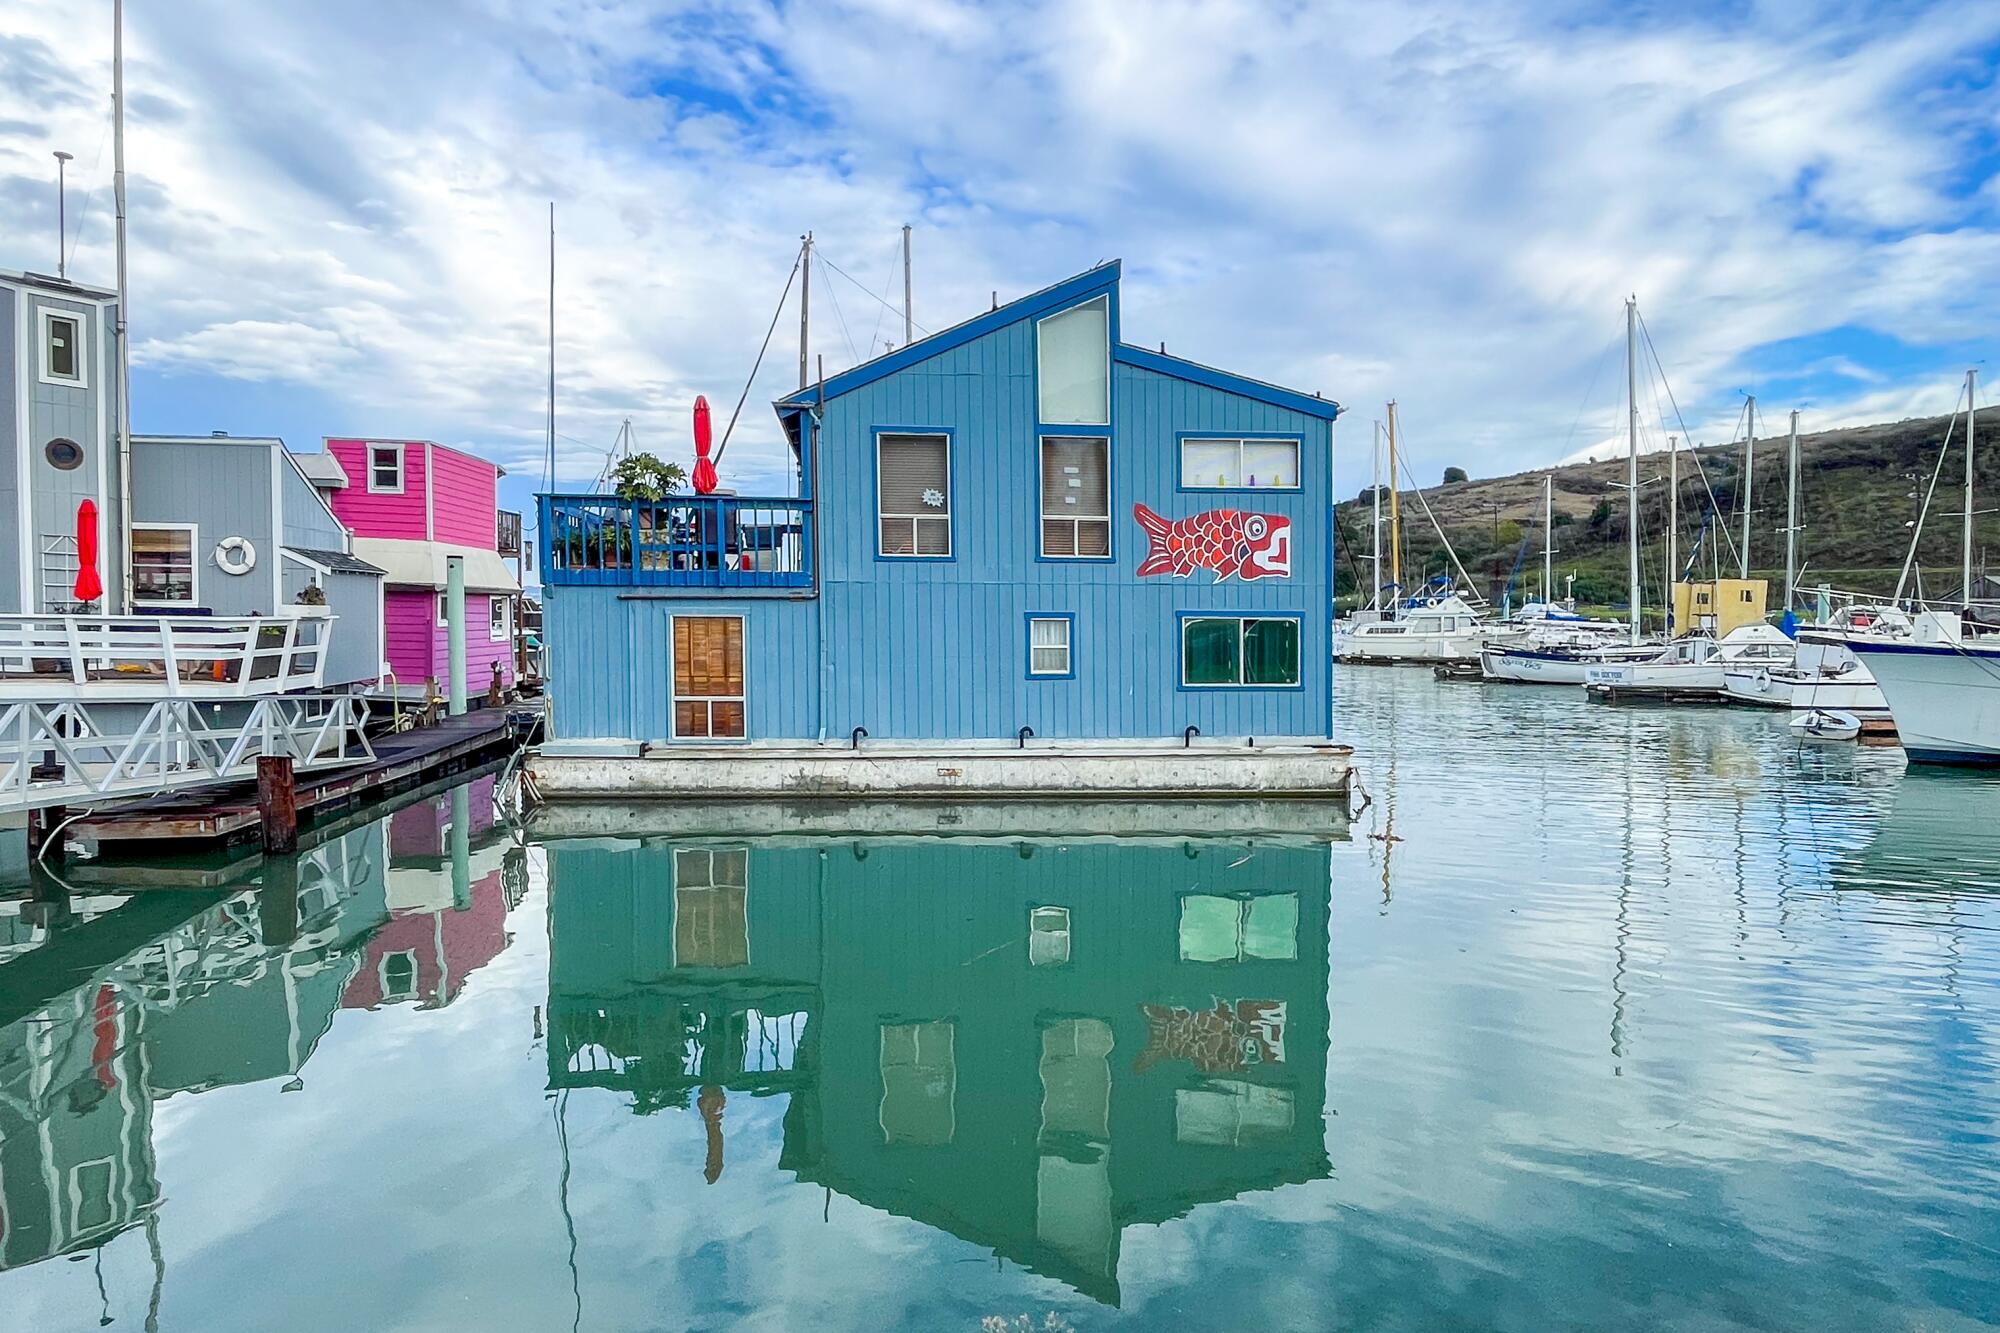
1271, 652
1211, 652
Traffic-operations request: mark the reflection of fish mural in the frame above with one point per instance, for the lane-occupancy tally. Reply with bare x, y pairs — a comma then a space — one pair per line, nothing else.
1228, 541
1221, 1040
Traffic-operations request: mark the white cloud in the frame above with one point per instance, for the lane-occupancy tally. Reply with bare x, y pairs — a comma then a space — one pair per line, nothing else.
1445, 203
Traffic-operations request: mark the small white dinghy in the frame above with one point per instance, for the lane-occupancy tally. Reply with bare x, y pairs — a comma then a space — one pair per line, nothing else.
1825, 724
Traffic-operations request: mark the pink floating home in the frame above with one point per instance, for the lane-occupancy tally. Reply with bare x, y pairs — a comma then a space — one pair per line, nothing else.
411, 505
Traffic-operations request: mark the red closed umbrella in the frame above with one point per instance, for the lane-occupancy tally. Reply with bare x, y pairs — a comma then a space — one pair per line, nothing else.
704, 471
89, 587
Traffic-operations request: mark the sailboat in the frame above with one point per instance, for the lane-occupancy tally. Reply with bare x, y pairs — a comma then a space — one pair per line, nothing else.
1942, 684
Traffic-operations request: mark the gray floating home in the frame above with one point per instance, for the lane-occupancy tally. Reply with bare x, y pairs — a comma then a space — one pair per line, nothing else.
1020, 532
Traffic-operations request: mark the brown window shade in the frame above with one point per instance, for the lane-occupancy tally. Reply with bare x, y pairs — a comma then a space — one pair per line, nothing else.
1076, 496
708, 656
914, 494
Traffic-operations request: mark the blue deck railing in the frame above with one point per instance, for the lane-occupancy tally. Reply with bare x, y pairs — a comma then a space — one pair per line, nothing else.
684, 541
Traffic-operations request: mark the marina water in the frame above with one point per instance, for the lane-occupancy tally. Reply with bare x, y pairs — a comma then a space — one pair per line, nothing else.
1594, 1017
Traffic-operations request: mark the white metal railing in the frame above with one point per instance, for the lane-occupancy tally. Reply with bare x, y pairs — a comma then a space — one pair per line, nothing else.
63, 753
58, 657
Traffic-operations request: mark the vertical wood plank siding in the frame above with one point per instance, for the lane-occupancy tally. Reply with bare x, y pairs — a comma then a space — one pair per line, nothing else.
936, 649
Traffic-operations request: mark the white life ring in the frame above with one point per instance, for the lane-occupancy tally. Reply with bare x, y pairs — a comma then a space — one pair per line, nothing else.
235, 555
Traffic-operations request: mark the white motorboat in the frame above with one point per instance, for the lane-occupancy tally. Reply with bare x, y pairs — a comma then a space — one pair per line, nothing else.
1943, 689
1561, 656
1693, 666
1824, 673
1446, 630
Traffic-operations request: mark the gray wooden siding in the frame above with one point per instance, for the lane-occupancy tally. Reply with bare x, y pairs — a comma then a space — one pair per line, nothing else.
356, 653
308, 522
225, 490
11, 506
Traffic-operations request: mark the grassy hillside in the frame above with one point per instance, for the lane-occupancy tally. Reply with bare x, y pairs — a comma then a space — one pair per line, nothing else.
1854, 502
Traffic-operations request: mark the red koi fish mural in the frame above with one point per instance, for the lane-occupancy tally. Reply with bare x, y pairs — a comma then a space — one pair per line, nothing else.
1221, 1040
1228, 541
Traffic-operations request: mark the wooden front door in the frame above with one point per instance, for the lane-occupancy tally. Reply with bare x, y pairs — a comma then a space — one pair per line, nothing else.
708, 678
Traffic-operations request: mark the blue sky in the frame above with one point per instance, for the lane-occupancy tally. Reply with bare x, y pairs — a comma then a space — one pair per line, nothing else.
338, 214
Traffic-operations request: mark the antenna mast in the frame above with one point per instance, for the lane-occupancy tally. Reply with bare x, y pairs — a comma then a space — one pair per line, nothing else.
805, 303
552, 350
124, 301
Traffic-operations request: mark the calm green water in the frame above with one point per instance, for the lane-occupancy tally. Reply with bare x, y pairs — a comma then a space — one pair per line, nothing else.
1600, 1018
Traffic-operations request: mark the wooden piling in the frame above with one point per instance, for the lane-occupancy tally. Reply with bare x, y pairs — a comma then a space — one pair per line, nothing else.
277, 804
42, 821
278, 902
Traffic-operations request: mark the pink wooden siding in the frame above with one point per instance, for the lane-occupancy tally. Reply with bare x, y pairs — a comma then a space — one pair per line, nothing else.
418, 648
464, 499
380, 515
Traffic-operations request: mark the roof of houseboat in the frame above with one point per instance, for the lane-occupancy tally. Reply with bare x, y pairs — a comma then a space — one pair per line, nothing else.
1102, 278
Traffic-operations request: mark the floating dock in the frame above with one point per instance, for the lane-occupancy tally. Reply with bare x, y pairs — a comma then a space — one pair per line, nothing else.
1653, 694
228, 813
1207, 769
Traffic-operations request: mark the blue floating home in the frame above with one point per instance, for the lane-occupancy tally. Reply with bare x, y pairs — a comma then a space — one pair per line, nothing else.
1021, 532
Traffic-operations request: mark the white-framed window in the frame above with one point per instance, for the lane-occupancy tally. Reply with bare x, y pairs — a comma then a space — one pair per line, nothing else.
913, 495
164, 570
62, 350
1048, 936
385, 469
499, 618
1239, 464
1226, 651
1076, 497
1073, 365
397, 973
1049, 646
709, 694
444, 611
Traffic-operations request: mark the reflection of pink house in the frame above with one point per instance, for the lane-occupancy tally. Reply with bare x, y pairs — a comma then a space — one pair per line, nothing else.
423, 828
411, 505
426, 955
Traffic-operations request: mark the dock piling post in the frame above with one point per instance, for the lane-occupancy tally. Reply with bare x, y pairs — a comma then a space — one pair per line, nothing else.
277, 804
42, 821
454, 614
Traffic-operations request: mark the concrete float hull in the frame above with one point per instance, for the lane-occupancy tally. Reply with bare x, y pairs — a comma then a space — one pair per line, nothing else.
1302, 770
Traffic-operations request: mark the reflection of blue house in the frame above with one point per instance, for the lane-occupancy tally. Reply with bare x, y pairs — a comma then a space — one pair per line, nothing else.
1021, 521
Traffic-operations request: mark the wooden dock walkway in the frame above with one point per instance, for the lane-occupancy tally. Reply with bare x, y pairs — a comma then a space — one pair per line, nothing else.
228, 813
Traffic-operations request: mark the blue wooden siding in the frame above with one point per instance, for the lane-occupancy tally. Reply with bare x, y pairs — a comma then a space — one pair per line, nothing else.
935, 649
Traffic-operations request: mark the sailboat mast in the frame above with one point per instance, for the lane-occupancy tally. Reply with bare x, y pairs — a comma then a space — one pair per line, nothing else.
1375, 496
1395, 515
1673, 526
1632, 455
1548, 540
1749, 476
1971, 416
124, 308
1792, 511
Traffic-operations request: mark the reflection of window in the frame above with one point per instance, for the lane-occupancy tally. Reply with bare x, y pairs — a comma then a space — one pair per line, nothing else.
1076, 1078
1229, 930
913, 494
1048, 936
163, 562
1076, 496
1229, 1113
399, 975
90, 1196
1073, 363
712, 908
1217, 650
1263, 465
708, 677
919, 1082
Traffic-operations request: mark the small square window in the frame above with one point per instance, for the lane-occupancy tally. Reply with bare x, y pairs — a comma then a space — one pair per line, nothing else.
1049, 646
385, 469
